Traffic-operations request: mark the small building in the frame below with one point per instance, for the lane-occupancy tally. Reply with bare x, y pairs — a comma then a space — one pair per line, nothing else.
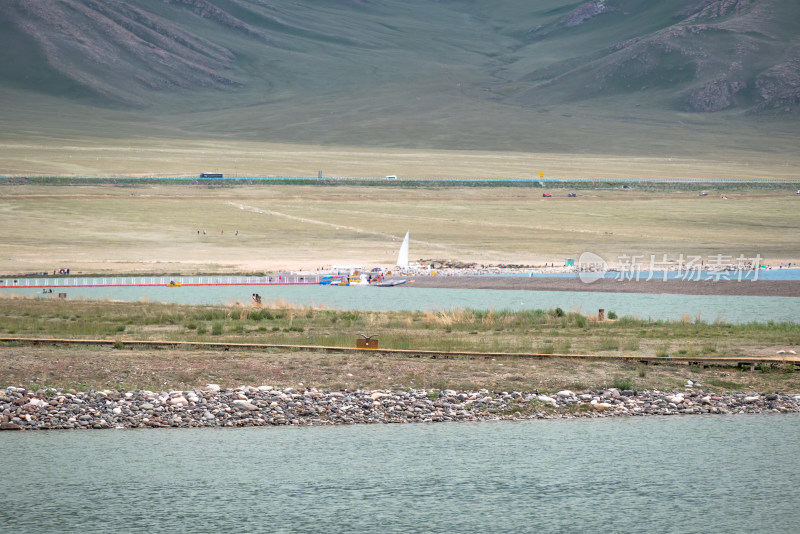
569, 262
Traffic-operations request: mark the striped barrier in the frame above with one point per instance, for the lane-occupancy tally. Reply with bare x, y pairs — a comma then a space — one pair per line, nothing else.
153, 281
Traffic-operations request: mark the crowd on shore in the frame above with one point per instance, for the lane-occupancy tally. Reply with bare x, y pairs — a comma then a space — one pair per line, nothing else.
24, 409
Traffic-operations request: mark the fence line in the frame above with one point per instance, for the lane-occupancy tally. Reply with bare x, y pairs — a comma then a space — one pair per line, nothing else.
158, 281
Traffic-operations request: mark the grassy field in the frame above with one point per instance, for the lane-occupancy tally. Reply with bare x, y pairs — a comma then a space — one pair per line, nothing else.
545, 332
154, 156
153, 228
532, 331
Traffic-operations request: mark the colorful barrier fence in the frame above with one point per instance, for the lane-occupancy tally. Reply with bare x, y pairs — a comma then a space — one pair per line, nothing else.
155, 281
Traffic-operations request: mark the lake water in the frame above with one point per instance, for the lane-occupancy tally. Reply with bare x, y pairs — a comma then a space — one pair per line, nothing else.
689, 275
709, 308
659, 474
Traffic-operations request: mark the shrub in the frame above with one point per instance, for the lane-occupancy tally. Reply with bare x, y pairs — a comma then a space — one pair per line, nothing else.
578, 319
623, 383
612, 315
216, 329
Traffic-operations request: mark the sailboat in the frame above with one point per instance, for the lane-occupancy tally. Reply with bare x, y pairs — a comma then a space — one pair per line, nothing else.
402, 258
402, 264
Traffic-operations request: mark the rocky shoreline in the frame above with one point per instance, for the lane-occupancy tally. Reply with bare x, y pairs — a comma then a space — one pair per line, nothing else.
23, 409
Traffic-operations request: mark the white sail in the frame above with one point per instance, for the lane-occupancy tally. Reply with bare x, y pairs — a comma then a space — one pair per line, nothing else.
402, 258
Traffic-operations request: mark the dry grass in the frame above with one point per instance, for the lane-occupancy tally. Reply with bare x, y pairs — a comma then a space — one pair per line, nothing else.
457, 330
154, 228
167, 157
100, 368
531, 331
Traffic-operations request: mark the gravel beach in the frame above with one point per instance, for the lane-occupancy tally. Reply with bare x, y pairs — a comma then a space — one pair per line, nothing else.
23, 409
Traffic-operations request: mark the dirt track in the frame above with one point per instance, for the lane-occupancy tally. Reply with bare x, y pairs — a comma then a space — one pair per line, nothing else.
765, 288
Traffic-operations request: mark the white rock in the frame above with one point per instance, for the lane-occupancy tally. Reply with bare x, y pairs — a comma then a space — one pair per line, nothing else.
212, 388
377, 395
751, 399
37, 402
244, 405
264, 388
117, 410
565, 393
547, 400
179, 401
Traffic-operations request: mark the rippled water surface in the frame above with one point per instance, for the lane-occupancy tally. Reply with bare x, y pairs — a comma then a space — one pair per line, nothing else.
659, 474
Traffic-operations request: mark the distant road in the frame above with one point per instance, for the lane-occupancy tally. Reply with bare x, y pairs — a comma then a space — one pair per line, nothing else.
474, 181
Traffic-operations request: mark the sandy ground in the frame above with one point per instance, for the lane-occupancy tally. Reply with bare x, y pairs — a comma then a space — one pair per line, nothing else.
766, 288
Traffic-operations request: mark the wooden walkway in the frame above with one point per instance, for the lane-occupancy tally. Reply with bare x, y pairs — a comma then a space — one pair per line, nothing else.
720, 361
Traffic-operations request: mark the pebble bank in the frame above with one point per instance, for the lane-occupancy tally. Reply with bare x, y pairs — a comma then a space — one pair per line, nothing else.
24, 409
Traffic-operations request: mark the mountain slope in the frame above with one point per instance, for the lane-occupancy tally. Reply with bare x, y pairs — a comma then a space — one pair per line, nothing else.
711, 56
373, 71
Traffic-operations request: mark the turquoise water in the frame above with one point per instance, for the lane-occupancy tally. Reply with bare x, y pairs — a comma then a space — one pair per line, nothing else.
644, 274
660, 474
646, 306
